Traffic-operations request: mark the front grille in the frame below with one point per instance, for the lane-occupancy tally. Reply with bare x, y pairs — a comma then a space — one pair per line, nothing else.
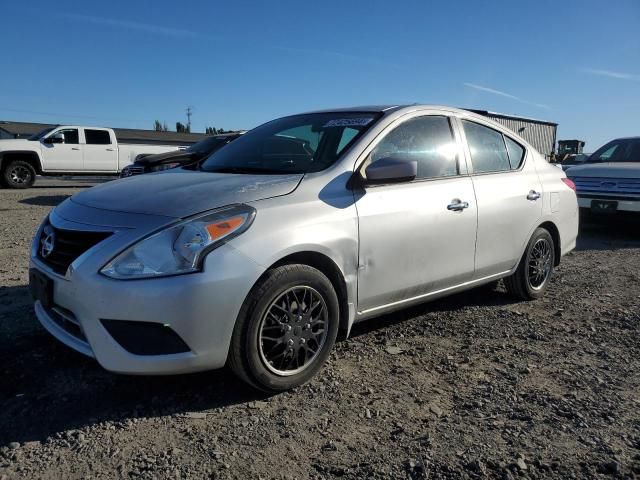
58, 248
621, 187
67, 321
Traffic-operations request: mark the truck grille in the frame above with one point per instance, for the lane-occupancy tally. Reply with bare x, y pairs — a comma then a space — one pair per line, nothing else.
619, 187
58, 248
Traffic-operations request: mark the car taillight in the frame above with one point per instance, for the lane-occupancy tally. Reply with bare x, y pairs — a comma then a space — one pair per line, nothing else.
569, 183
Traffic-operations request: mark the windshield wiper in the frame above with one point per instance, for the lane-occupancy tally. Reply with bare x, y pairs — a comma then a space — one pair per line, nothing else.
248, 170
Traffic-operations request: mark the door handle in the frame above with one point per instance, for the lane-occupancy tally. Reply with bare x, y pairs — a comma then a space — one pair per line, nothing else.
75, 148
109, 149
533, 195
457, 205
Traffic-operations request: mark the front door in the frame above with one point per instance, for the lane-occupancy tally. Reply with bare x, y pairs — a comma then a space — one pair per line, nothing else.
66, 156
413, 238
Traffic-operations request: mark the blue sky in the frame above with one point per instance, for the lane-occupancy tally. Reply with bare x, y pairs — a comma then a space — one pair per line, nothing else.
241, 63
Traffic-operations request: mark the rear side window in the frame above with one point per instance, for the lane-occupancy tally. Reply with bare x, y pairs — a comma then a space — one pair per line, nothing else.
487, 146
97, 137
428, 140
515, 151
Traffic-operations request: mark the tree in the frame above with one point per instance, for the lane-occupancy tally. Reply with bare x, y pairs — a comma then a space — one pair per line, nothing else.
160, 127
215, 131
180, 128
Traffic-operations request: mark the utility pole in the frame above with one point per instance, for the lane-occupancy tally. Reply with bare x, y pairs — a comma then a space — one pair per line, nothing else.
189, 113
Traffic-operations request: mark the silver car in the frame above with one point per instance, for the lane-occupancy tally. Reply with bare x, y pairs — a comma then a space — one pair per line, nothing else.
298, 229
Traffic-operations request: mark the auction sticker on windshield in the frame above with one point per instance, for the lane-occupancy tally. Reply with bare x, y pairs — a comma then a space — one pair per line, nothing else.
348, 122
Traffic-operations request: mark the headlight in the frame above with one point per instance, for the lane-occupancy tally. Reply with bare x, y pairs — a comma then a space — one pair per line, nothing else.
180, 248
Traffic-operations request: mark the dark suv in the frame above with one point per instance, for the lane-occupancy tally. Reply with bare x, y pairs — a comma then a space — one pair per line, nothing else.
179, 158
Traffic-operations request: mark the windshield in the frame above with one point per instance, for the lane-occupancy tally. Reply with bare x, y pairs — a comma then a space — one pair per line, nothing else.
208, 144
296, 144
40, 134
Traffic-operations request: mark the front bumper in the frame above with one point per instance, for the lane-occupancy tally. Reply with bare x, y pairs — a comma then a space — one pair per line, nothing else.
201, 308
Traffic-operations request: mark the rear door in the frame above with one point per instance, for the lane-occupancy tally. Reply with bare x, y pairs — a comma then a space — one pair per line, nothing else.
100, 152
509, 196
412, 241
66, 156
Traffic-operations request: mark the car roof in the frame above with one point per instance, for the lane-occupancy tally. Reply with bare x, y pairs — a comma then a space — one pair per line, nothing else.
359, 109
386, 109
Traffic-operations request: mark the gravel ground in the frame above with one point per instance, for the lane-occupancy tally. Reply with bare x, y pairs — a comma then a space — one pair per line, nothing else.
475, 386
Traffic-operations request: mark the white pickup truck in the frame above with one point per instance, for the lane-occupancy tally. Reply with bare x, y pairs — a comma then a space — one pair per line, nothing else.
68, 150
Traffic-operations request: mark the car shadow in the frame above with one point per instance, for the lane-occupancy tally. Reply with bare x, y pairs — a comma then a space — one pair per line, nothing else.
490, 295
44, 200
48, 388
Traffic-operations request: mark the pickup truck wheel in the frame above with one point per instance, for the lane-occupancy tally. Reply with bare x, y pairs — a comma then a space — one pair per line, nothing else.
286, 328
18, 174
531, 279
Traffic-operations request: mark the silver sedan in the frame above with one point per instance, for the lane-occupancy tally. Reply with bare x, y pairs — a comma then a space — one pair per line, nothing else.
298, 229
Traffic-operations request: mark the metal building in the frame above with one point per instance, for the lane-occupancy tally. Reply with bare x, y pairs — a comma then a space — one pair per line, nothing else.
539, 133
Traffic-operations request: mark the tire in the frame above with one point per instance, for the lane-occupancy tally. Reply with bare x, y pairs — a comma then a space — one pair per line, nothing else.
18, 174
530, 282
269, 324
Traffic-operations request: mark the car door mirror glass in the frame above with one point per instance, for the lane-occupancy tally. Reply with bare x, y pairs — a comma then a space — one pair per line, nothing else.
391, 170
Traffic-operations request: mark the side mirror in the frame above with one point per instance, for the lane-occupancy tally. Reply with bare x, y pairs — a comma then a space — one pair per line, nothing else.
56, 138
391, 170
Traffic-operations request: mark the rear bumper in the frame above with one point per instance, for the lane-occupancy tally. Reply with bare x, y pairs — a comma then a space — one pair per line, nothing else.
624, 205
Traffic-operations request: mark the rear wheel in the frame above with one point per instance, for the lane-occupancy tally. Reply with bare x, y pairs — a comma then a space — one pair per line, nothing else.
286, 328
18, 174
532, 277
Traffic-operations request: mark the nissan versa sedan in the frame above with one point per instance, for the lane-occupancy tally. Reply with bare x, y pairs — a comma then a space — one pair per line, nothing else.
294, 231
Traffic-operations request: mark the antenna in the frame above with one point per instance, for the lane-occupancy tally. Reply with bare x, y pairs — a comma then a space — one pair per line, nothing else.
189, 111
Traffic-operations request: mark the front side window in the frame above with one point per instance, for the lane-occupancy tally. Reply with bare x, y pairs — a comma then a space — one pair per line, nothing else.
428, 140
97, 137
487, 147
297, 144
70, 135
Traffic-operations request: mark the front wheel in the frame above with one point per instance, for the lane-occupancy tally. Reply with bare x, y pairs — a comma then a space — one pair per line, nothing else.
532, 277
18, 174
286, 328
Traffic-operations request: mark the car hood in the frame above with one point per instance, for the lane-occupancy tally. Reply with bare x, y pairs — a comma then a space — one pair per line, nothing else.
611, 169
181, 193
18, 144
175, 155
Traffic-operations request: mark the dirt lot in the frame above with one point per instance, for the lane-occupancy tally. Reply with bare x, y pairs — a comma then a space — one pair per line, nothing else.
479, 386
